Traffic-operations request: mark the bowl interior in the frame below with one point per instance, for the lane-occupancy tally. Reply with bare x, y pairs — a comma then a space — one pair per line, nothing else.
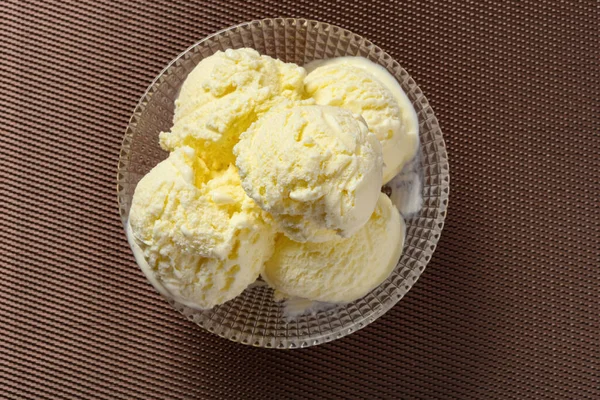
253, 317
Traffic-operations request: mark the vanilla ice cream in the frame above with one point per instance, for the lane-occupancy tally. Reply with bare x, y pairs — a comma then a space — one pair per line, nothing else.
368, 89
316, 169
203, 239
277, 172
340, 270
222, 96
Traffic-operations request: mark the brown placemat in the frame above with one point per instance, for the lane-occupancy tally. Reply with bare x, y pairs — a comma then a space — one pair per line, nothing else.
507, 308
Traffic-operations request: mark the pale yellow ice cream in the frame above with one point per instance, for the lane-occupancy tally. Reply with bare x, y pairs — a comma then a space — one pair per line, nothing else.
368, 89
341, 270
222, 96
258, 147
203, 239
315, 169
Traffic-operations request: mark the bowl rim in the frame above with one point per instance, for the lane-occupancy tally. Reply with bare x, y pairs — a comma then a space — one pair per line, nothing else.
359, 323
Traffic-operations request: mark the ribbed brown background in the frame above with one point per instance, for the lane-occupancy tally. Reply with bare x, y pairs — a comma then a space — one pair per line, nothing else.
509, 306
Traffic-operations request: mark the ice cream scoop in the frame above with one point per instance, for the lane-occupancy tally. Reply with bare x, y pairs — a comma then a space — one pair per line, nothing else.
316, 169
204, 240
340, 270
366, 88
222, 96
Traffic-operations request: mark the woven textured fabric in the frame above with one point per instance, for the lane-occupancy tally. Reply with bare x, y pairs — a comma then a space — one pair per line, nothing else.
508, 307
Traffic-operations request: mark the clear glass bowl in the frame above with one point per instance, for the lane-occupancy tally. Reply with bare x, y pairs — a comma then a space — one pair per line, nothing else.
253, 317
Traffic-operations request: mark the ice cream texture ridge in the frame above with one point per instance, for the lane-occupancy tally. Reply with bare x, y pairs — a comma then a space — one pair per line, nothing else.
340, 270
204, 239
223, 95
277, 172
368, 89
316, 170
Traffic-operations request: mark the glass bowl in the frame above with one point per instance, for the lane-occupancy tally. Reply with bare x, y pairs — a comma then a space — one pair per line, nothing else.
253, 317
